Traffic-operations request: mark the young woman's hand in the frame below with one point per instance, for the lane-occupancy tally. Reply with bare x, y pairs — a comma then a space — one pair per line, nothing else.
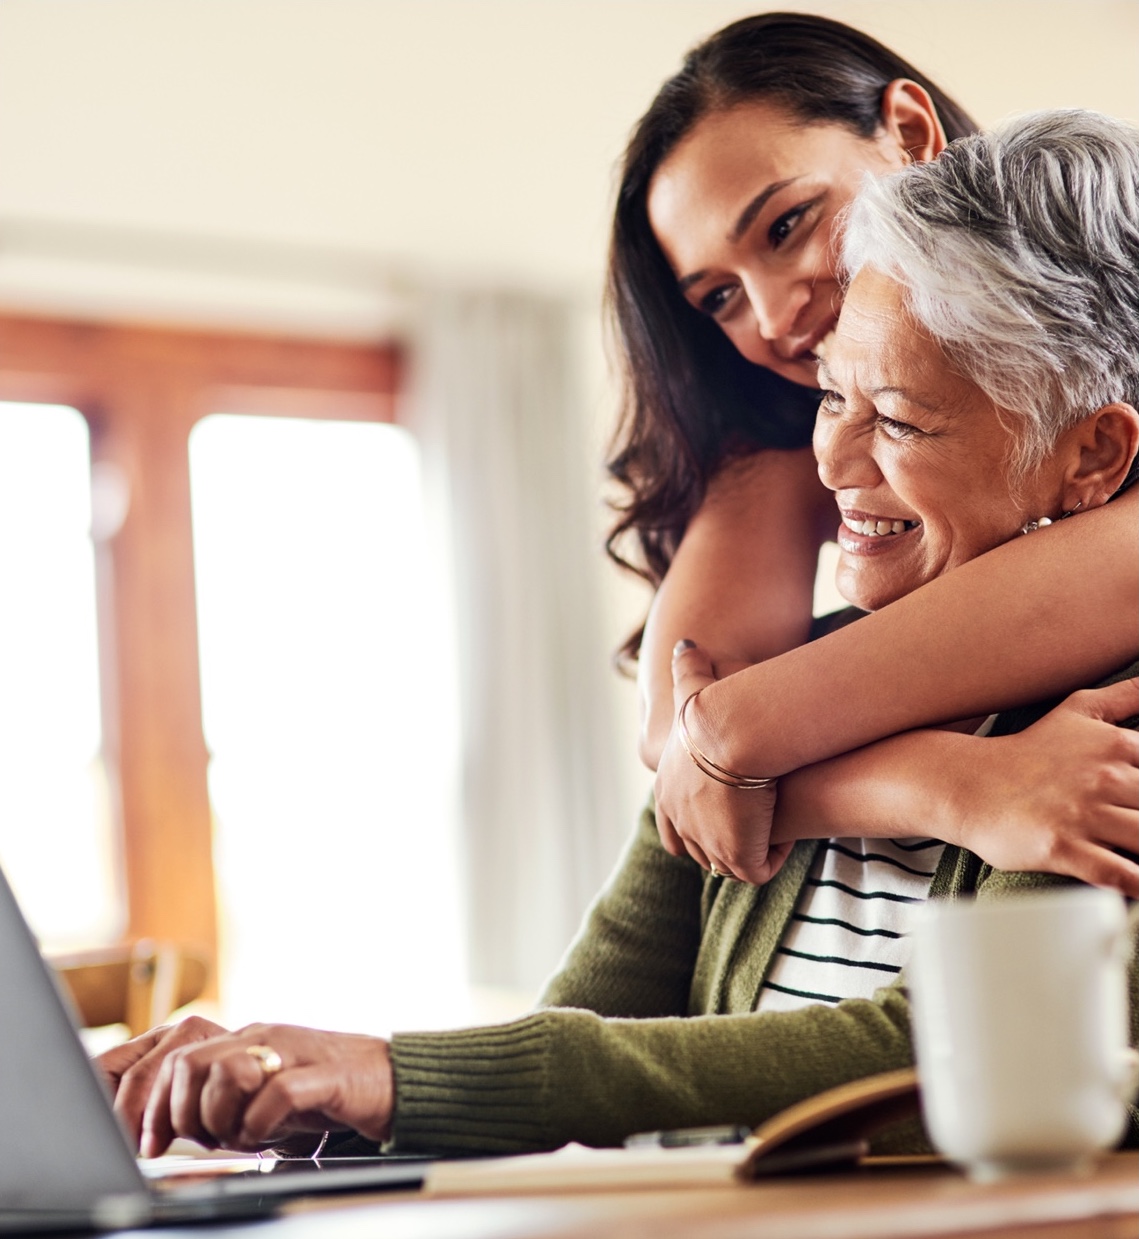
724, 829
1060, 796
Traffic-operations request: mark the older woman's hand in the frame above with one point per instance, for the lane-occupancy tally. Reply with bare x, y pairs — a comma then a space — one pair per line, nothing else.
724, 829
130, 1069
250, 1089
1060, 796
266, 1084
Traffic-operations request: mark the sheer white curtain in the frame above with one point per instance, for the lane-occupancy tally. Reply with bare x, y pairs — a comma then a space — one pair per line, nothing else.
496, 409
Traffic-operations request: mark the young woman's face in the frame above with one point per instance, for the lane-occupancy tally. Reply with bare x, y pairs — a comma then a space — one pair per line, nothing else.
744, 210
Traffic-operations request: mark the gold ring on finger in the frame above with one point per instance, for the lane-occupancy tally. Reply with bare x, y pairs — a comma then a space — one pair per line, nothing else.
267, 1058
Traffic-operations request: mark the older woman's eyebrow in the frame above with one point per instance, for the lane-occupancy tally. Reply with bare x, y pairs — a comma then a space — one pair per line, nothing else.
744, 221
827, 382
903, 393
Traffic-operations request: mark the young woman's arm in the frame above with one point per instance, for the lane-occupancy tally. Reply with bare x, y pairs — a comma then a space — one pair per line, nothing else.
1062, 796
741, 583
1036, 618
1075, 625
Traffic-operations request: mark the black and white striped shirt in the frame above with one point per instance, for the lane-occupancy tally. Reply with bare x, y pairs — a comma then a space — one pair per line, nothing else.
847, 936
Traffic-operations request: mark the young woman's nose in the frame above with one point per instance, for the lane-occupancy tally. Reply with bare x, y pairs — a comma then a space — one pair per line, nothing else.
776, 305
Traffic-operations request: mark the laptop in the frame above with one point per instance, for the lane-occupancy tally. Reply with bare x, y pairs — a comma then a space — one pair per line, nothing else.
65, 1162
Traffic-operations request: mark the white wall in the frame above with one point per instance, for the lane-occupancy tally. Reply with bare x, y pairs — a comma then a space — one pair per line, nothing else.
302, 163
469, 138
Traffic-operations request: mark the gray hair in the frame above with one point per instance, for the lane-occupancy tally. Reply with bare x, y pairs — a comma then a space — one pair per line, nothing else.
1019, 253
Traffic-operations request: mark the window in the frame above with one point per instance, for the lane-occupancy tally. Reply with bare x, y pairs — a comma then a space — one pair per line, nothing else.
57, 839
327, 702
121, 404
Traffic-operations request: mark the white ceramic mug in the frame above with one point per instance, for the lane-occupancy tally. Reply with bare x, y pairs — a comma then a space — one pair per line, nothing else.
1020, 1022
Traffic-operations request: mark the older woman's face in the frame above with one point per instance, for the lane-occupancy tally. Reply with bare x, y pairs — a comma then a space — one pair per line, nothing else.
916, 455
744, 209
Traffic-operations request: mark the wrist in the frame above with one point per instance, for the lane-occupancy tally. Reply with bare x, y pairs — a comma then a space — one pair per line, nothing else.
381, 1130
950, 793
714, 732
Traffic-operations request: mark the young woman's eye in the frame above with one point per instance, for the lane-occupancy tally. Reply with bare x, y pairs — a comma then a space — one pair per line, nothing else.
712, 303
785, 225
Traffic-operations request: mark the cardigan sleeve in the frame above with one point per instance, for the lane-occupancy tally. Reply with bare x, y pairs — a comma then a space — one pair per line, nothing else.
559, 1075
636, 951
613, 1051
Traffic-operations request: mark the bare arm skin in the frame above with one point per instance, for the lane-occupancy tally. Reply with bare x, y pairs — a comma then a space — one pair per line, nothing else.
1058, 797
742, 582
991, 635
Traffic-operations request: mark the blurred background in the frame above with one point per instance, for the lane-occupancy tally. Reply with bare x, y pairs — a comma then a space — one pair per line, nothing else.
305, 651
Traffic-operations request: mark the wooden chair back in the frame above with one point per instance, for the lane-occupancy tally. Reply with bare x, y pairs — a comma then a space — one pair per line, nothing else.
138, 984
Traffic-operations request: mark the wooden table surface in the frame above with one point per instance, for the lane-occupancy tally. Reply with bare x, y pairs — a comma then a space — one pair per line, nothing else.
873, 1202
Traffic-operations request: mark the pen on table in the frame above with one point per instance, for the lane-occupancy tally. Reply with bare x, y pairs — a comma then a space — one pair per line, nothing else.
687, 1137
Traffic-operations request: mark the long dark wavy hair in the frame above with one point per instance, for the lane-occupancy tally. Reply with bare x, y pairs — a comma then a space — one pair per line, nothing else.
690, 399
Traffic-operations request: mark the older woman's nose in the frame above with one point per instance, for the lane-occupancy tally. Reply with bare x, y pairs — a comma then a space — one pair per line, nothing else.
844, 451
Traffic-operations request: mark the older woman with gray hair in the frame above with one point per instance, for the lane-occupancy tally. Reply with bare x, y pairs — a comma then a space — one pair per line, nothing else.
984, 380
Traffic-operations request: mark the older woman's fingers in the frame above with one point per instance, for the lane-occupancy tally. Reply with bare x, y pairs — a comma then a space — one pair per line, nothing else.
349, 1084
305, 1097
230, 1082
173, 1108
115, 1063
137, 1082
157, 1128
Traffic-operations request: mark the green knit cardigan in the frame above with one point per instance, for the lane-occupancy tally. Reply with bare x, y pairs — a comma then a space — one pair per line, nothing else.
650, 1020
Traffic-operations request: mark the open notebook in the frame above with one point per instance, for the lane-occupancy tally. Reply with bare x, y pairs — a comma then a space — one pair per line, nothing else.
832, 1128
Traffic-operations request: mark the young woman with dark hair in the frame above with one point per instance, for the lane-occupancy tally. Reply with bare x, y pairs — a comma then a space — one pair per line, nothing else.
724, 287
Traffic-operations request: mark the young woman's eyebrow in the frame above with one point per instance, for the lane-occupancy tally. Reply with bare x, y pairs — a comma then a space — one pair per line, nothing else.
753, 208
742, 224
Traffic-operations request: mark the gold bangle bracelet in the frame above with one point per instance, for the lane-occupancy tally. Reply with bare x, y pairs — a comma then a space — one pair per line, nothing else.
706, 765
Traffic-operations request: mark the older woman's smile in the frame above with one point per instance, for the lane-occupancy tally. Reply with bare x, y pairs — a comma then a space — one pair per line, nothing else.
872, 527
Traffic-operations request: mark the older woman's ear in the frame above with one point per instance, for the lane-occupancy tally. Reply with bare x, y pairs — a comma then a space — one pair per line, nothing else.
1102, 449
